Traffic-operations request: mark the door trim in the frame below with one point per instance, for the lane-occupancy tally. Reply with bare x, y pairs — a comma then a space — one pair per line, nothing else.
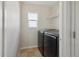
64, 29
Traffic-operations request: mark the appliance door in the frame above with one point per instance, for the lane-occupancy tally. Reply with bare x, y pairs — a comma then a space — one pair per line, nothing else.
50, 46
12, 28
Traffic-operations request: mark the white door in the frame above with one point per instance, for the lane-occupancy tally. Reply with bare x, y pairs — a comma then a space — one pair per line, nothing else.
32, 29
12, 28
76, 29
74, 43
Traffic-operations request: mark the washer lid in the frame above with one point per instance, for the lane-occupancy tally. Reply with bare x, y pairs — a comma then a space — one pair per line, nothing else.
53, 32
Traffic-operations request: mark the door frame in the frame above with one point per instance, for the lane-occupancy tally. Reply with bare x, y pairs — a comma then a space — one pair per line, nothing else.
64, 28
1, 26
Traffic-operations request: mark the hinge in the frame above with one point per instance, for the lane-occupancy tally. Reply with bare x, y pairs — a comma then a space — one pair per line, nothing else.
74, 34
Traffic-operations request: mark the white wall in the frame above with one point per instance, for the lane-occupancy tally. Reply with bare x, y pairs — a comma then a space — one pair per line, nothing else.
54, 17
44, 21
12, 28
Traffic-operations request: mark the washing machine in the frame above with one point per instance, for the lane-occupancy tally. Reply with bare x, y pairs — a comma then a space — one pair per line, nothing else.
51, 43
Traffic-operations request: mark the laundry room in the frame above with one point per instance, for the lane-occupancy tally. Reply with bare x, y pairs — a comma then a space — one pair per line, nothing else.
30, 28
39, 27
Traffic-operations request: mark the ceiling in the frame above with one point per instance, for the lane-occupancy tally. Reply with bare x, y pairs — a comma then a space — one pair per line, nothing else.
48, 3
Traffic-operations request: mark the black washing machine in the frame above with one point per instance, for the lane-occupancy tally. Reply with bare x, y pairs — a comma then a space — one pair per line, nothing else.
41, 41
51, 43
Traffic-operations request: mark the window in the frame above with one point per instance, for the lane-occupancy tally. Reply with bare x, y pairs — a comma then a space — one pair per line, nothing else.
32, 20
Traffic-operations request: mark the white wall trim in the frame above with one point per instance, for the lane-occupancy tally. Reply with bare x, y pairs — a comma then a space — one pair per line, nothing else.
60, 29
29, 47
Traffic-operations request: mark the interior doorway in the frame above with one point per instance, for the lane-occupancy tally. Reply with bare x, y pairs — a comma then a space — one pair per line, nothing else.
37, 18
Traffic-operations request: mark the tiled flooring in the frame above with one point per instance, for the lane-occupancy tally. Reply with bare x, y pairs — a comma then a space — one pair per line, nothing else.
31, 52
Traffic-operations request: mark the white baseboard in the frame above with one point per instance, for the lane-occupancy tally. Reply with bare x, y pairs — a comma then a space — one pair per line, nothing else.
29, 47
